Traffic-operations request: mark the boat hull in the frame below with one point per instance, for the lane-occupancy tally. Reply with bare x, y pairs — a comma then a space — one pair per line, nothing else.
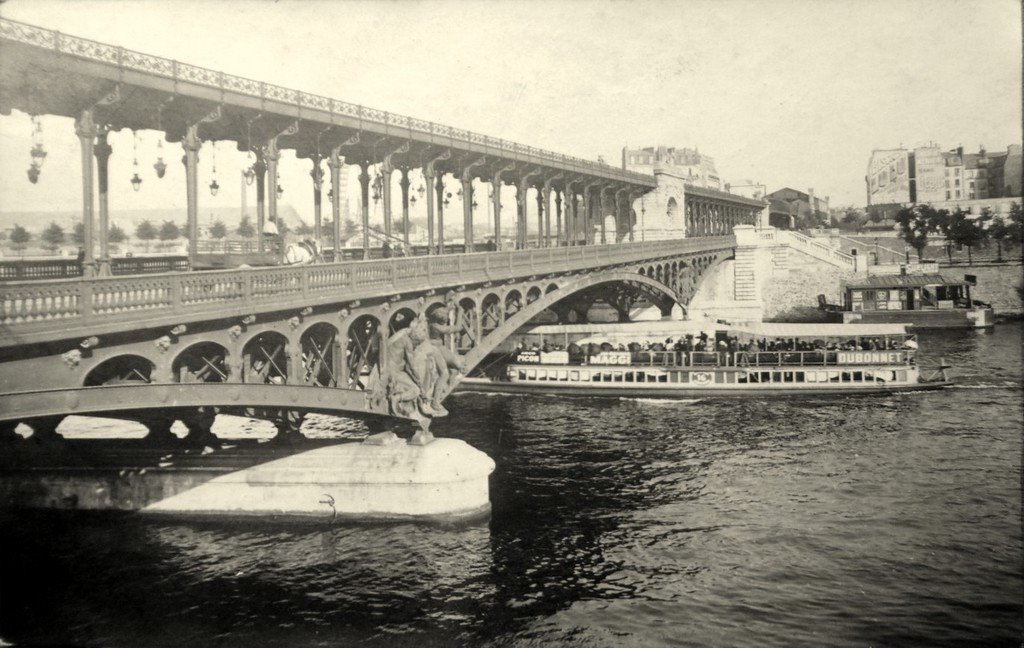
960, 318
619, 390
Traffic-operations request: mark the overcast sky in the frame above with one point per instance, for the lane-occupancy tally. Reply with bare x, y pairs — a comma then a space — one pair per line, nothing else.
787, 92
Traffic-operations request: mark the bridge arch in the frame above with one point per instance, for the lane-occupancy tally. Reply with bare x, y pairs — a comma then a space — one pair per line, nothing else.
491, 313
321, 355
127, 368
362, 349
265, 359
577, 284
402, 318
201, 362
533, 294
513, 303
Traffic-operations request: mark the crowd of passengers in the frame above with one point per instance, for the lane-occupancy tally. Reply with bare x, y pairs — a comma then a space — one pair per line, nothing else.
702, 343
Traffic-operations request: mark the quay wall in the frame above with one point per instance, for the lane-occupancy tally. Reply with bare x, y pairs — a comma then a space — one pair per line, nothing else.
792, 295
998, 284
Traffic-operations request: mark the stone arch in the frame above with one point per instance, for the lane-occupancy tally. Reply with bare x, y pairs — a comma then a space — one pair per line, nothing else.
128, 368
201, 362
321, 355
513, 303
265, 359
401, 319
551, 287
642, 271
362, 351
533, 294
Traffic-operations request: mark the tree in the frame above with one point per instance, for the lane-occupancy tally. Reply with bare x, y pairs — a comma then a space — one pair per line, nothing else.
966, 231
53, 236
916, 223
282, 227
245, 228
999, 231
349, 228
145, 231
304, 228
1016, 226
218, 230
78, 234
169, 231
20, 237
116, 235
852, 219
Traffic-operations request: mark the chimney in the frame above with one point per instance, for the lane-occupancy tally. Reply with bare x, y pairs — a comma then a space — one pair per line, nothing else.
960, 151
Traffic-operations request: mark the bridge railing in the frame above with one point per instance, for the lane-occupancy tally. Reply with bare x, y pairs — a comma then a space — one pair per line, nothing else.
191, 74
41, 269
55, 305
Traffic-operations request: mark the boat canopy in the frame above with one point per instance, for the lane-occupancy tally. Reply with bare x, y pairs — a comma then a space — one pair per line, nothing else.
661, 330
903, 281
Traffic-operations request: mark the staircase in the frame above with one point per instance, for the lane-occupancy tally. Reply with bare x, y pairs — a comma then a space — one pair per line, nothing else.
817, 249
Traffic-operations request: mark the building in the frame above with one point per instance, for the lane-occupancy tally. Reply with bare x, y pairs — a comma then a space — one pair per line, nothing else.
693, 167
789, 207
928, 174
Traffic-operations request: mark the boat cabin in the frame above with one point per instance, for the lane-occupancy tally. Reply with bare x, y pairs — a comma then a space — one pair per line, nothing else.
926, 300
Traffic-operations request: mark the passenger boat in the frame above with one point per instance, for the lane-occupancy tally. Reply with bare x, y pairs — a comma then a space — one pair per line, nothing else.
669, 360
924, 300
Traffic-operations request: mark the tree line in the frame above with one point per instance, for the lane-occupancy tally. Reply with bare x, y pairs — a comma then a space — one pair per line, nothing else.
959, 228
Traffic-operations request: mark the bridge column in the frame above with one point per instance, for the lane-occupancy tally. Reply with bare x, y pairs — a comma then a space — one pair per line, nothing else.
440, 212
364, 185
467, 202
86, 130
334, 164
496, 184
191, 143
404, 184
260, 167
317, 174
574, 202
559, 241
542, 198
387, 169
430, 176
102, 150
272, 154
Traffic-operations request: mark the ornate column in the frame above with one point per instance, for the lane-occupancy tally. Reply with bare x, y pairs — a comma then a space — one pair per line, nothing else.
558, 219
260, 167
542, 198
404, 184
272, 155
334, 164
588, 209
570, 217
496, 183
603, 206
191, 143
467, 202
521, 191
440, 213
317, 174
430, 176
85, 128
364, 185
575, 204
387, 168
102, 151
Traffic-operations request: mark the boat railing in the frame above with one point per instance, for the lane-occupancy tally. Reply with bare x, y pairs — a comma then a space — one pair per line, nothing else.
816, 358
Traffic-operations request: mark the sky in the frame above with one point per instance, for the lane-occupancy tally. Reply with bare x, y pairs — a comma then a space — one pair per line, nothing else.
790, 93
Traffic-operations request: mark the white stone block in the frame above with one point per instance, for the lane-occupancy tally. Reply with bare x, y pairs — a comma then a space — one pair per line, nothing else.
443, 480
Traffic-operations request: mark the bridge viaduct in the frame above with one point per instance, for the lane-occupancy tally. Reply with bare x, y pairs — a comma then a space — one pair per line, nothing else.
280, 342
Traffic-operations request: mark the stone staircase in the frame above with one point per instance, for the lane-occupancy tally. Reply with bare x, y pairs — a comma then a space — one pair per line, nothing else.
817, 249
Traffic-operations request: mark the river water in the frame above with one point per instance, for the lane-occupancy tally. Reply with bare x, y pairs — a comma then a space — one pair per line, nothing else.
862, 521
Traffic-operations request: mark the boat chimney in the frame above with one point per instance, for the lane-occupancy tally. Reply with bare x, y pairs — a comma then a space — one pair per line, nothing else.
903, 269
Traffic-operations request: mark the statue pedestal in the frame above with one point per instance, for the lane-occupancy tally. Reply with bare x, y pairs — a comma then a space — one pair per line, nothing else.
444, 480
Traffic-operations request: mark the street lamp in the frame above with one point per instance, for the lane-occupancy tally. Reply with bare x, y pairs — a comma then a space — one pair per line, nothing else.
250, 175
160, 166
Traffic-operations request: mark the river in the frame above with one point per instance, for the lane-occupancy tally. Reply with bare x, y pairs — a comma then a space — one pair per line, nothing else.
860, 521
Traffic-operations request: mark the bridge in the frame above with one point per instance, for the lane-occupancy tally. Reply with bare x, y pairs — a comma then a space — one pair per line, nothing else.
281, 342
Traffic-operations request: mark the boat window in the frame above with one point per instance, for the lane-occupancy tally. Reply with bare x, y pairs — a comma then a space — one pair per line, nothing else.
663, 378
844, 377
741, 377
720, 376
858, 376
787, 376
531, 374
812, 376
618, 376
798, 376
574, 375
833, 376
777, 376
766, 376
510, 372
683, 377
542, 374
607, 376
522, 374
641, 376
901, 376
